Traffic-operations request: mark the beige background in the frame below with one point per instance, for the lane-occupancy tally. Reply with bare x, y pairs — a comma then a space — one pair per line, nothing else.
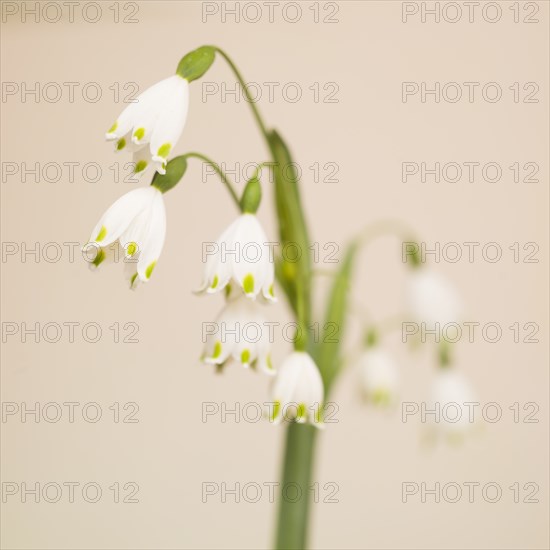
170, 452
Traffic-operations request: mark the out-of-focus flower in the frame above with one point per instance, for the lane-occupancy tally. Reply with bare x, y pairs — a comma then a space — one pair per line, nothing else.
298, 392
241, 254
432, 299
240, 332
380, 378
453, 401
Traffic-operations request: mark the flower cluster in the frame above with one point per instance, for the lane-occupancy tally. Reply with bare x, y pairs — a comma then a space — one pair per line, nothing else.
433, 302
242, 263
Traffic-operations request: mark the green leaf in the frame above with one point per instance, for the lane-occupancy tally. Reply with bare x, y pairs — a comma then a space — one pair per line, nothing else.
328, 352
196, 63
175, 169
294, 276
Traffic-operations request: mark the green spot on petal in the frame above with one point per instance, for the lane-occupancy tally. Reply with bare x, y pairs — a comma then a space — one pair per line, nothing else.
248, 283
271, 291
133, 280
120, 144
139, 133
217, 350
301, 413
215, 282
140, 166
100, 256
149, 269
131, 249
276, 410
112, 128
245, 357
318, 415
164, 150
102, 233
381, 397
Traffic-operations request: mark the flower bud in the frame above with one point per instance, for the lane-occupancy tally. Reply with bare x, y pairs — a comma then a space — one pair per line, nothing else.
252, 195
175, 169
196, 63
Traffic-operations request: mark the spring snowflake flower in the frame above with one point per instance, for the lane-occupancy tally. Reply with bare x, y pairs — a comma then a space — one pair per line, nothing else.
380, 378
137, 220
152, 125
242, 254
241, 332
298, 390
454, 400
432, 299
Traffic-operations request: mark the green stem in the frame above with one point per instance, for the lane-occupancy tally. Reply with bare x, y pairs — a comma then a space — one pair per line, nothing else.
220, 173
297, 467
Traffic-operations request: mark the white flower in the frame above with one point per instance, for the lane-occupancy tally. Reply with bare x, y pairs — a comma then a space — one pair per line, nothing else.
137, 220
454, 402
240, 332
242, 254
432, 299
151, 126
379, 376
298, 390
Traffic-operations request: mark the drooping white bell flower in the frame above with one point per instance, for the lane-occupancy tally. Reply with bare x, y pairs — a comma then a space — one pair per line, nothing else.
379, 376
242, 333
298, 391
151, 126
432, 299
456, 407
242, 254
137, 220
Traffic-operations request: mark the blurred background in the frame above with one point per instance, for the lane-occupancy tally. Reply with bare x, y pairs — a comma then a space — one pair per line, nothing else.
336, 72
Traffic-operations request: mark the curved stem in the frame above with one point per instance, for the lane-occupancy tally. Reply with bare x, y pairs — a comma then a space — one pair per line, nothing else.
220, 173
249, 98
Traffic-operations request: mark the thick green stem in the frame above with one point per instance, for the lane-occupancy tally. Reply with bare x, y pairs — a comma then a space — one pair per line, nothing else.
296, 487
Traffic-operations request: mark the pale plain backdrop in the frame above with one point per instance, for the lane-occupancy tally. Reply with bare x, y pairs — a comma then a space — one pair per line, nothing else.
360, 62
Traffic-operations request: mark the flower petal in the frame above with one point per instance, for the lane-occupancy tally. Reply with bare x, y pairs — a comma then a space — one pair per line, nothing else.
154, 241
170, 122
120, 214
151, 100
251, 260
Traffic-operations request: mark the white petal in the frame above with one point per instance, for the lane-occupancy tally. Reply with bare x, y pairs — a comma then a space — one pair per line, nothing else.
299, 383
120, 214
152, 247
217, 352
432, 299
142, 161
268, 287
379, 375
217, 269
251, 261
146, 119
133, 239
151, 100
170, 122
